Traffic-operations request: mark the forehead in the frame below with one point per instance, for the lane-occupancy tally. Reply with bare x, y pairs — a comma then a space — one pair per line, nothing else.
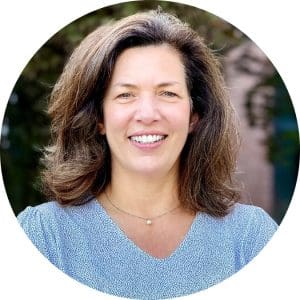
160, 61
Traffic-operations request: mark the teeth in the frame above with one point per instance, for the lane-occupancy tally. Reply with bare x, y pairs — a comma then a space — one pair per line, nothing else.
147, 139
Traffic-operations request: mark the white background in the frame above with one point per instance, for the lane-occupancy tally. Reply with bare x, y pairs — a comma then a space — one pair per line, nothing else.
26, 25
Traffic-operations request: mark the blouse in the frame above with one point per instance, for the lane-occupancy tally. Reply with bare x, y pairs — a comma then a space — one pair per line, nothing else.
85, 243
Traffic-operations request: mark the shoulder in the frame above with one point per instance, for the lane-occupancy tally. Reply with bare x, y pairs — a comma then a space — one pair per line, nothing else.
246, 229
243, 217
51, 213
253, 217
36, 211
47, 223
37, 222
51, 217
38, 216
253, 227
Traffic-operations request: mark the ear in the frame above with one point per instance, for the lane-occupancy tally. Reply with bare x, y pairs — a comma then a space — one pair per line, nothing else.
101, 128
193, 121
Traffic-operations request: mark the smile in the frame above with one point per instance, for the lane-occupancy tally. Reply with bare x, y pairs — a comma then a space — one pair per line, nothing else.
147, 139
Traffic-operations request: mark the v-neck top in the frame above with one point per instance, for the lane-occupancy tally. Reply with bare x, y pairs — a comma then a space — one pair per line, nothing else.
85, 243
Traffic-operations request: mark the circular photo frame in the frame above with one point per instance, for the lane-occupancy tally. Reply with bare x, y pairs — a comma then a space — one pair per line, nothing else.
268, 160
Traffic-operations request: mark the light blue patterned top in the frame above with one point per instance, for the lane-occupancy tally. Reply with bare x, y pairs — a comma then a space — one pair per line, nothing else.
84, 242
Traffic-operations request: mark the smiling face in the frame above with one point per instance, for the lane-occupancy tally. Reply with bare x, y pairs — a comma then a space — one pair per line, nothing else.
146, 111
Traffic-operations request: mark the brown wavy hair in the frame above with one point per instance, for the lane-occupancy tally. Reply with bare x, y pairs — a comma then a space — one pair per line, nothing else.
77, 164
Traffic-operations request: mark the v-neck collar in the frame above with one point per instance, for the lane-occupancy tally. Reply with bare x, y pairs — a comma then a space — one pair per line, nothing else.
106, 218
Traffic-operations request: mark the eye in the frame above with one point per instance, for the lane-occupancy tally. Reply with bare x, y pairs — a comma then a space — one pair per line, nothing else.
125, 95
168, 94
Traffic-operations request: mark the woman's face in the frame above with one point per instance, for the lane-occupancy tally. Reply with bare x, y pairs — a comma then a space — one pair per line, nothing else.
147, 111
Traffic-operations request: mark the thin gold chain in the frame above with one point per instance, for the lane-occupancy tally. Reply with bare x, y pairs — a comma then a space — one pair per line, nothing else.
148, 220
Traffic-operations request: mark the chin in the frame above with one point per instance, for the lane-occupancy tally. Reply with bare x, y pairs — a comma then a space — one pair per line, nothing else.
152, 169
149, 171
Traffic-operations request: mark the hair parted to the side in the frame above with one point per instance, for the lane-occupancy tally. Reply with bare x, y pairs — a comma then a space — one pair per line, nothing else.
77, 164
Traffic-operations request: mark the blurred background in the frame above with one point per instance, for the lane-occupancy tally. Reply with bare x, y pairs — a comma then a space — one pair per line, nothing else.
269, 156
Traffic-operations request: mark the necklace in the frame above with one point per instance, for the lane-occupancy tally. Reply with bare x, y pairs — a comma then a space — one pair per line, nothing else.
148, 221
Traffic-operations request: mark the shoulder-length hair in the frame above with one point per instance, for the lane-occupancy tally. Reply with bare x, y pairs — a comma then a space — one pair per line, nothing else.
77, 164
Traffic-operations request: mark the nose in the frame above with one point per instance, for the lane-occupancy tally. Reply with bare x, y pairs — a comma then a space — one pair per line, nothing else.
147, 110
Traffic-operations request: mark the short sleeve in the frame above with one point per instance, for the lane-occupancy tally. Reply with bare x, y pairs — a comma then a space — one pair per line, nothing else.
36, 227
261, 227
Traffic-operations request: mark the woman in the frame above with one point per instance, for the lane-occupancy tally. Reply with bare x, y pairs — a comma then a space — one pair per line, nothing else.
144, 150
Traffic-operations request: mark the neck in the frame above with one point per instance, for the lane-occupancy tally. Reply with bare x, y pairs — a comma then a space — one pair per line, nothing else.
143, 196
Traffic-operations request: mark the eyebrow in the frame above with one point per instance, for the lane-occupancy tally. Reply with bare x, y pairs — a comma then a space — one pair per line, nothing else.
162, 84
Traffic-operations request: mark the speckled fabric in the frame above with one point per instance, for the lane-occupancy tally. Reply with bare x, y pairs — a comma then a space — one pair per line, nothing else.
84, 242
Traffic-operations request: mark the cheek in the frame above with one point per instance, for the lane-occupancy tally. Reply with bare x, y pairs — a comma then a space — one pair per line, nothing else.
116, 122
115, 119
180, 118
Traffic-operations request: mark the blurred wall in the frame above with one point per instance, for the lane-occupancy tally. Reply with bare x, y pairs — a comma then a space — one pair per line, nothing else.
254, 169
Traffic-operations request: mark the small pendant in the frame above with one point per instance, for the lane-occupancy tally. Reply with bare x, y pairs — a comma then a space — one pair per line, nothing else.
148, 222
